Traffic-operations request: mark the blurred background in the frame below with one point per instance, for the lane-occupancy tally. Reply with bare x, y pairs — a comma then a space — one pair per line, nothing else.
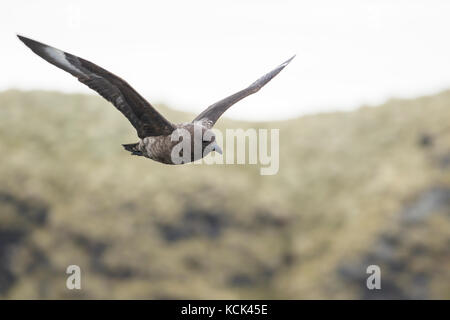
364, 179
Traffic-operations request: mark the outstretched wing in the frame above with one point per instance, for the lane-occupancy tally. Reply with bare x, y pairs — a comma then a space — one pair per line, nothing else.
146, 120
213, 112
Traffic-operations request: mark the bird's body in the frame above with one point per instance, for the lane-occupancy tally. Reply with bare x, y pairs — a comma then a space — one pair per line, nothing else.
159, 148
160, 140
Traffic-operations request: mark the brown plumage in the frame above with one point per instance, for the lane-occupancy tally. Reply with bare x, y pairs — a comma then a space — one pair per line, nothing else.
156, 133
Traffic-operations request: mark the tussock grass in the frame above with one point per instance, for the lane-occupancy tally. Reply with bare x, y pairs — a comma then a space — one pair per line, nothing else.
140, 229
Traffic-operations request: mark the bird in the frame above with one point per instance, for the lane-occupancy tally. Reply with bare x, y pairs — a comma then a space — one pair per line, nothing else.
157, 136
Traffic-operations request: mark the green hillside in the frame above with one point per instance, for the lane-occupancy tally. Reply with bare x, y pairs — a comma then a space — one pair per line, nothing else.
354, 189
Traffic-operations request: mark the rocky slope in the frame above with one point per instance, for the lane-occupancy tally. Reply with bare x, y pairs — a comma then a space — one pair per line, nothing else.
354, 189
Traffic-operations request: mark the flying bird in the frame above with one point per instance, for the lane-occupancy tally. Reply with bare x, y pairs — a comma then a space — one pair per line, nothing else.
158, 136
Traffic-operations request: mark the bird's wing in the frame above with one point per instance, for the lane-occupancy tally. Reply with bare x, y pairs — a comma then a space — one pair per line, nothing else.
141, 114
210, 115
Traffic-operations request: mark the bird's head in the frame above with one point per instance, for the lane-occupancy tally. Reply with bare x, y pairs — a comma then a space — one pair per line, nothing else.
209, 143
202, 140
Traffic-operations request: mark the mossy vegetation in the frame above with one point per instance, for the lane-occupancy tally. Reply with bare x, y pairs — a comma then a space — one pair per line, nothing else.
342, 200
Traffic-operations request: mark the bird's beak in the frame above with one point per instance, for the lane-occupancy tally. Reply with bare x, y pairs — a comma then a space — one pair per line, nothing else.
217, 148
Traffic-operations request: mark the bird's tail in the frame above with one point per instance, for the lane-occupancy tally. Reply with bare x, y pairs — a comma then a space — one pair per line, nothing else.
133, 148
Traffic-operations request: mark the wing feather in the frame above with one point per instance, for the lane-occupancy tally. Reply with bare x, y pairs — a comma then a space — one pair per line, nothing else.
210, 115
140, 113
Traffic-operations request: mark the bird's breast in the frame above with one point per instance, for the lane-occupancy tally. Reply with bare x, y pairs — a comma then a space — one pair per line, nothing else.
157, 148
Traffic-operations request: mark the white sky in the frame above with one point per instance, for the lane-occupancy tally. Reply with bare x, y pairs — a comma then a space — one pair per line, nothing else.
190, 54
